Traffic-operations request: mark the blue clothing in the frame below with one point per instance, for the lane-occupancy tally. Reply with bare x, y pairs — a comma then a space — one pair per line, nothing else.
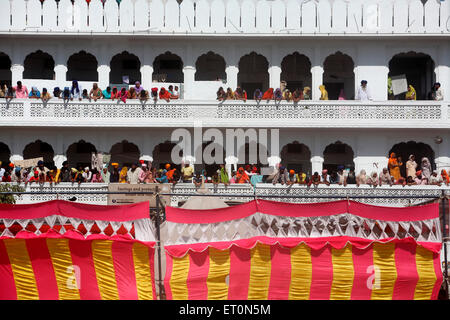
106, 94
256, 178
35, 94
163, 179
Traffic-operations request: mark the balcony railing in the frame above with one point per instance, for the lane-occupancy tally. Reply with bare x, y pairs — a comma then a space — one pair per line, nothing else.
297, 193
386, 114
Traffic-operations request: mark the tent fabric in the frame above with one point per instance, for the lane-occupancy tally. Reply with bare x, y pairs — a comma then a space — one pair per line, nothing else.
398, 270
272, 250
293, 223
109, 260
60, 215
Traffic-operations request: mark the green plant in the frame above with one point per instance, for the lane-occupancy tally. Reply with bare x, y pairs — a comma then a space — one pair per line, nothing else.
9, 198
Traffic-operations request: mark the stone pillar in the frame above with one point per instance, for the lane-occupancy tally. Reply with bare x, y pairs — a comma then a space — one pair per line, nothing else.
16, 73
146, 77
231, 164
275, 77
60, 75
103, 76
317, 80
59, 159
189, 78
232, 77
316, 164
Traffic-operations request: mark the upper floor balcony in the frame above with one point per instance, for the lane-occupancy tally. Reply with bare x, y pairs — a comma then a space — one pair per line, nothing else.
233, 113
225, 17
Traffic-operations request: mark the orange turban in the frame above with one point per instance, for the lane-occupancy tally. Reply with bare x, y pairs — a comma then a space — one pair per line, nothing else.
167, 166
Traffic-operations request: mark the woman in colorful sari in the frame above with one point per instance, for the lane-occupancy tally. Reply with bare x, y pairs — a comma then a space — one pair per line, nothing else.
229, 94
411, 93
268, 95
307, 93
297, 95
164, 94
278, 95
132, 93
445, 177
122, 95
138, 88
241, 176
240, 94
394, 166
426, 167
123, 175
96, 92
107, 93
257, 95
223, 175
114, 93
323, 93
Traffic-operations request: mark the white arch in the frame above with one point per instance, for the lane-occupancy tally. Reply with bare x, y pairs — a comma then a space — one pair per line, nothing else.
339, 16
416, 16
293, 14
49, 13
218, 16
187, 16
34, 10
263, 16
278, 15
400, 16
80, 15
386, 13
111, 16
96, 16
18, 11
324, 16
156, 15
202, 15
248, 13
354, 16
233, 16
5, 17
309, 14
126, 14
432, 16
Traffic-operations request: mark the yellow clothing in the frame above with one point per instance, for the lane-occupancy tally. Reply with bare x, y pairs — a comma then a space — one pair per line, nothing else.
323, 93
123, 175
411, 94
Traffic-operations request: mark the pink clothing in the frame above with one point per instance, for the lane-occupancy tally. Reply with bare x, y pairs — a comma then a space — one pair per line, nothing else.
146, 176
97, 178
420, 181
21, 93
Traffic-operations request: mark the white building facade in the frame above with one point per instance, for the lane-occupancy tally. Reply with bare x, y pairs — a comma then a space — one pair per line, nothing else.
203, 45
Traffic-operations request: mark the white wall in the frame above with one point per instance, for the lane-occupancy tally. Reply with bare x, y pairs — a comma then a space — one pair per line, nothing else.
375, 14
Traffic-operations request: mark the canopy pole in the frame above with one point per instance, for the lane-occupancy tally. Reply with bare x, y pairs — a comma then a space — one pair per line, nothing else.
162, 295
445, 239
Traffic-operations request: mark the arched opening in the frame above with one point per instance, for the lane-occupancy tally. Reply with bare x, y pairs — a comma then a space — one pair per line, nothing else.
296, 156
39, 149
417, 68
39, 65
296, 71
210, 168
338, 154
210, 67
82, 66
80, 154
338, 75
162, 154
125, 153
251, 155
418, 149
5, 154
125, 66
168, 67
253, 73
5, 69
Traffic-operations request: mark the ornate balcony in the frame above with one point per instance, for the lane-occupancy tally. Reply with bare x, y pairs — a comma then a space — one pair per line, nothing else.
187, 113
296, 193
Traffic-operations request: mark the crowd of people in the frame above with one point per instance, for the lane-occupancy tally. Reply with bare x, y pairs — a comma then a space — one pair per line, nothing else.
144, 172
283, 93
75, 92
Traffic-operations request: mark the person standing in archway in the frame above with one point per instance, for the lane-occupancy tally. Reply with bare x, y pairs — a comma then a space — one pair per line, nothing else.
394, 167
363, 92
411, 167
426, 167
